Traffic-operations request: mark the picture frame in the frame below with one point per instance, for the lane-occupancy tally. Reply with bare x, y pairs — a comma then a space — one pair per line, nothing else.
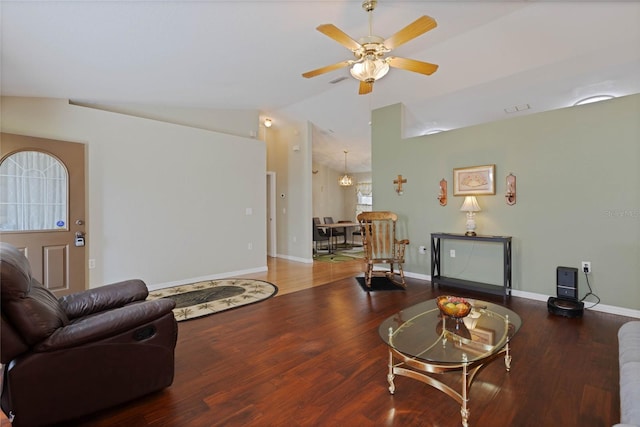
474, 180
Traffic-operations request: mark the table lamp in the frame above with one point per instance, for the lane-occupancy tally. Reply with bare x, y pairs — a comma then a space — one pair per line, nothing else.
470, 206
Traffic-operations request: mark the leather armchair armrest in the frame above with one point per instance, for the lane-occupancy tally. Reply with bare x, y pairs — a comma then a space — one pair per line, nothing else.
106, 324
103, 298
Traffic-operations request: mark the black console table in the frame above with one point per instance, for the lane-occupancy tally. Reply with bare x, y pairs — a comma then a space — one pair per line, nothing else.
438, 279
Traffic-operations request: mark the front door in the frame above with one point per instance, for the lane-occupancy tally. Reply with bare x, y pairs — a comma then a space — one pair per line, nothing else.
42, 208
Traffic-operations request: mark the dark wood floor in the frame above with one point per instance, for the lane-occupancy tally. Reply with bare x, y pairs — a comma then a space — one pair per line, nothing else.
314, 358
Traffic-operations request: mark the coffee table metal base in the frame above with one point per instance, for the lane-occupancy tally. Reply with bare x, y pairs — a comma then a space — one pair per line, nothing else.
418, 370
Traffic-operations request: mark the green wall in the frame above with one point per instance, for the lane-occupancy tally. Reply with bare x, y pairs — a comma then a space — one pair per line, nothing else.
578, 185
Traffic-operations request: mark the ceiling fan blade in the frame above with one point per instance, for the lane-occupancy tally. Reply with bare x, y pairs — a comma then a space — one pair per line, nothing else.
412, 65
410, 32
340, 36
365, 88
326, 69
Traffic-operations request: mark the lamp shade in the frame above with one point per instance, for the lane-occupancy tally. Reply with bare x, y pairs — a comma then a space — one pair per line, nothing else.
369, 70
470, 204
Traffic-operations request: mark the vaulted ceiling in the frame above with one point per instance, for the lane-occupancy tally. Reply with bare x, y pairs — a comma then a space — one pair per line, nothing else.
496, 59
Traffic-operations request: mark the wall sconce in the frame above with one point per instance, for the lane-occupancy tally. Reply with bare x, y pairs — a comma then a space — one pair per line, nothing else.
511, 189
470, 206
399, 181
268, 123
442, 196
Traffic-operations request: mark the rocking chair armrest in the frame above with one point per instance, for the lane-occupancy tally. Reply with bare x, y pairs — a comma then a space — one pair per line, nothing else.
400, 247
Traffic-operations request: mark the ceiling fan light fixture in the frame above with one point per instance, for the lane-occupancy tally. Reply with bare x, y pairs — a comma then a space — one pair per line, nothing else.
370, 70
370, 63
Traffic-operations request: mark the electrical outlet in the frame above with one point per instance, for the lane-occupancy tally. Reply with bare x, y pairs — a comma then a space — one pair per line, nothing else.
586, 267
92, 263
452, 253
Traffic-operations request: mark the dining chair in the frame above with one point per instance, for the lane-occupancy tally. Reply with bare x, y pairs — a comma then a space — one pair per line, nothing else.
319, 235
335, 232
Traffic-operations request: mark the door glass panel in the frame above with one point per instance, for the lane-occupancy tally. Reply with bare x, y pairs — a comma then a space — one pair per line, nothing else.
33, 192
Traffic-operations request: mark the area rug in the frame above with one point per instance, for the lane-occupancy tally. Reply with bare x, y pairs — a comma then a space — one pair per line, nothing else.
333, 258
341, 255
378, 284
205, 298
355, 252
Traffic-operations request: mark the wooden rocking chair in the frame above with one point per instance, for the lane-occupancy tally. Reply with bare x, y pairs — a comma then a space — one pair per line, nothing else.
381, 246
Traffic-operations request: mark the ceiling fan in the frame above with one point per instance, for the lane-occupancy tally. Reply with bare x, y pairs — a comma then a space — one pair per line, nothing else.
370, 63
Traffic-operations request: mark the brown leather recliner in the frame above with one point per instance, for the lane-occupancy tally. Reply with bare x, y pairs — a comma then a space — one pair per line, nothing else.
66, 358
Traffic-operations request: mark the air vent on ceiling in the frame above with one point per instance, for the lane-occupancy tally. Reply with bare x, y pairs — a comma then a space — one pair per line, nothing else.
517, 108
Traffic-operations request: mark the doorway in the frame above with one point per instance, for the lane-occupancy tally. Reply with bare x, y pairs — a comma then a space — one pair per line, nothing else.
42, 208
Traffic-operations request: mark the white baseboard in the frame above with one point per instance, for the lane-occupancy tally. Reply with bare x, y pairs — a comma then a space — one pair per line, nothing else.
296, 259
226, 275
620, 311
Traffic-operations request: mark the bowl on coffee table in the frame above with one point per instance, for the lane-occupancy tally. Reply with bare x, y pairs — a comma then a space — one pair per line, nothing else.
453, 306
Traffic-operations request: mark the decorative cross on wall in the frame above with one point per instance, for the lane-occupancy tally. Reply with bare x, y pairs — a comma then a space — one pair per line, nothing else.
399, 181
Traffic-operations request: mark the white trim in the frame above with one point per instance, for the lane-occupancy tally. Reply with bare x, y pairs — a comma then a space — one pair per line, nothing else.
620, 311
228, 275
588, 305
611, 309
272, 248
296, 259
418, 276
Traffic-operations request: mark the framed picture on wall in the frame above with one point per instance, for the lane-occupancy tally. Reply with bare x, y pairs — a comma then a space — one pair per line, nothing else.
474, 180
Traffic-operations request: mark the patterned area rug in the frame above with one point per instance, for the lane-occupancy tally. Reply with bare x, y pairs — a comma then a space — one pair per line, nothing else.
205, 298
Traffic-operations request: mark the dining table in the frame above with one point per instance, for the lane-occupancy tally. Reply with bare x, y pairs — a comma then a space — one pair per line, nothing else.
337, 225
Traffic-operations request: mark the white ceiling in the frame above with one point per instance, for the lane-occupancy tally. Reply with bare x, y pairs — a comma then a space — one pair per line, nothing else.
251, 54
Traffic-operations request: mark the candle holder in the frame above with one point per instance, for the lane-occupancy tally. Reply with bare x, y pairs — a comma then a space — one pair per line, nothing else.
442, 196
511, 189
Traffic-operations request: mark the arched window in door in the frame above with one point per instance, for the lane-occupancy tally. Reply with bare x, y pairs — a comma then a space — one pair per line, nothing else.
33, 192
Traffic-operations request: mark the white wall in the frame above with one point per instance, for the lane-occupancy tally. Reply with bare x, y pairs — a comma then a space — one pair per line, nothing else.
328, 196
289, 156
166, 203
329, 199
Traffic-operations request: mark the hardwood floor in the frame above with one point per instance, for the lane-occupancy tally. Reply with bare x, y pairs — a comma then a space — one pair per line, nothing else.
312, 356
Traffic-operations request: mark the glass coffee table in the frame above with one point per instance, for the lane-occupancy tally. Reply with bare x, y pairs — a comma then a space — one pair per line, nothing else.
422, 341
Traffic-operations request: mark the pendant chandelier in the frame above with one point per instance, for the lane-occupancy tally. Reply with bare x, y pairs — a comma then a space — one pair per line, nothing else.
345, 180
